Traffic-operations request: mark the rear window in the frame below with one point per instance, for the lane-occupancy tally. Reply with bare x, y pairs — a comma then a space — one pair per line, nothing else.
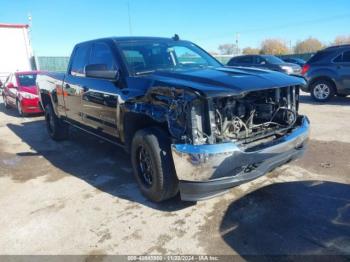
27, 80
319, 56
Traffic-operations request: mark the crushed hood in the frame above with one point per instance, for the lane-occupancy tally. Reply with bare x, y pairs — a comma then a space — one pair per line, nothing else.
226, 81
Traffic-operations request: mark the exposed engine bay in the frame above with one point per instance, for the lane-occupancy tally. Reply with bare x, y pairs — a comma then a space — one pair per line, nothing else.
251, 117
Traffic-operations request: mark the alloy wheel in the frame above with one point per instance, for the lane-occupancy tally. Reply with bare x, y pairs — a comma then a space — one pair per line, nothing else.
322, 91
145, 166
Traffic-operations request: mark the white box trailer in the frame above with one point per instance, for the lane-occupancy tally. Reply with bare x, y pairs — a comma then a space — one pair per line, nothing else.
15, 50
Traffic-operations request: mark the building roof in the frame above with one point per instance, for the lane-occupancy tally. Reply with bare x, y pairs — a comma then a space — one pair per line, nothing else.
13, 25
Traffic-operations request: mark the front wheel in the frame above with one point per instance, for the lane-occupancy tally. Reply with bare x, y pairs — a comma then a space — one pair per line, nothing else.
7, 106
57, 129
153, 164
19, 108
322, 90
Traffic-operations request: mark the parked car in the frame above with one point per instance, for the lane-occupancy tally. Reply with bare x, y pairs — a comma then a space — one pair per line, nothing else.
189, 123
265, 62
328, 73
295, 60
20, 91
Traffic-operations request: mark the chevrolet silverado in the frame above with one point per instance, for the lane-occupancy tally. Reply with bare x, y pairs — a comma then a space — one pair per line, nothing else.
190, 124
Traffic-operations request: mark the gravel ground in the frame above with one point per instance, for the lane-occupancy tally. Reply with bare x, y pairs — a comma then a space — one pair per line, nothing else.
79, 197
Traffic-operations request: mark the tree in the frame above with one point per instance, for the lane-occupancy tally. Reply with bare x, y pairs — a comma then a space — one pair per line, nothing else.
342, 40
274, 47
228, 49
309, 45
251, 51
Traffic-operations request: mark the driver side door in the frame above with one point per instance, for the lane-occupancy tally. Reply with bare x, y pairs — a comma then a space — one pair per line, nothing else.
100, 95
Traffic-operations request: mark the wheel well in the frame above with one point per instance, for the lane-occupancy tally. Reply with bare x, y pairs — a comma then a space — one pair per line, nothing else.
134, 122
323, 78
45, 100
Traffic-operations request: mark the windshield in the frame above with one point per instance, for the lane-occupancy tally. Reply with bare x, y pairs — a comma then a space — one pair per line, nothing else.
273, 59
148, 56
27, 79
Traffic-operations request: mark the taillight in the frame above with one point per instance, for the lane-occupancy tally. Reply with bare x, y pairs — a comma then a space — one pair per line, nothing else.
305, 68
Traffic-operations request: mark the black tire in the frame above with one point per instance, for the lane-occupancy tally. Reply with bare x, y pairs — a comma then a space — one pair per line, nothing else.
57, 129
7, 106
322, 90
161, 182
19, 109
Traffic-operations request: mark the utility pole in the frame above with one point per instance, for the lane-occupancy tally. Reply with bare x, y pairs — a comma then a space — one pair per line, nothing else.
290, 46
237, 46
30, 25
130, 28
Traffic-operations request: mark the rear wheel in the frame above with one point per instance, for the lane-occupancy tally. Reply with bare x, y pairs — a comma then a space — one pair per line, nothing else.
153, 164
57, 129
322, 90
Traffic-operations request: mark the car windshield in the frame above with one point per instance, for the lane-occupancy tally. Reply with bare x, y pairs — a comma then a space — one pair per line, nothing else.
144, 57
298, 60
27, 79
273, 59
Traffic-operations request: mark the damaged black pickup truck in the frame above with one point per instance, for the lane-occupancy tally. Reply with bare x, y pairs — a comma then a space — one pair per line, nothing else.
190, 124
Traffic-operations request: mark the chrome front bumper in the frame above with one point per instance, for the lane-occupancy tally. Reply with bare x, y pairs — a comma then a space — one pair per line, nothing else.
208, 170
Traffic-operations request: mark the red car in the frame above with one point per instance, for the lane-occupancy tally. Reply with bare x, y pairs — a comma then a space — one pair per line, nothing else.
20, 92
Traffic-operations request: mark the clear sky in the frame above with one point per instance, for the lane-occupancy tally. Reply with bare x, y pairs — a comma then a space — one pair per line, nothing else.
58, 24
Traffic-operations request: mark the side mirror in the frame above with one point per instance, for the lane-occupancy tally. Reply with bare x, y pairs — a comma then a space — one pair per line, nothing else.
10, 85
101, 71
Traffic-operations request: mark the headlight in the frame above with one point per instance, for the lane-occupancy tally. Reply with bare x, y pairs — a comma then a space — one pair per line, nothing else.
27, 95
287, 69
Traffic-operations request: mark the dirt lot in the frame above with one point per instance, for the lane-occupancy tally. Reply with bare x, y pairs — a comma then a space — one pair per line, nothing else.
79, 197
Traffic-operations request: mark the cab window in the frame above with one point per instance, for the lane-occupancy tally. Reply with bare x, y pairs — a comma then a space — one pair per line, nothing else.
102, 54
80, 60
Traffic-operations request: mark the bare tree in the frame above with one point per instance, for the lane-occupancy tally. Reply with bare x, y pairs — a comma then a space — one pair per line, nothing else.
228, 49
251, 51
274, 47
309, 45
342, 40
213, 53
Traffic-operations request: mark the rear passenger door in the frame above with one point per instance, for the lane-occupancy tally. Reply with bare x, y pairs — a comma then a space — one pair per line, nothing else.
75, 81
343, 68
